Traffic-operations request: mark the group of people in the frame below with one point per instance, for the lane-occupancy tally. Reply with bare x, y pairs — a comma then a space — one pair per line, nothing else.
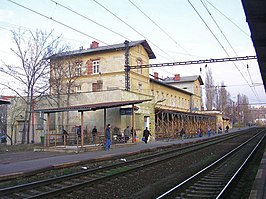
126, 133
200, 132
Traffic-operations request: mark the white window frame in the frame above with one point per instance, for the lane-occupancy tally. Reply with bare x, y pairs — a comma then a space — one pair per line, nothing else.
95, 66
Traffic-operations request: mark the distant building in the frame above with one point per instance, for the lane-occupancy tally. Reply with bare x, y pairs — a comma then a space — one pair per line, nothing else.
191, 84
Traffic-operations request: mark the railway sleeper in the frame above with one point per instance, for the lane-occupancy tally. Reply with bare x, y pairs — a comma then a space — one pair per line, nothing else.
204, 188
58, 185
203, 191
34, 192
210, 184
219, 175
214, 180
196, 196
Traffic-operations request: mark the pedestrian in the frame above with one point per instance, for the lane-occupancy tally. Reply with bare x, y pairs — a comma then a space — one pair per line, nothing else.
183, 133
209, 132
220, 130
199, 132
94, 134
65, 134
79, 131
108, 137
126, 134
146, 134
133, 134
227, 128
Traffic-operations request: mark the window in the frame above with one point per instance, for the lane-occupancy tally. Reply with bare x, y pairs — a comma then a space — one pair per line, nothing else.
140, 88
95, 66
173, 101
78, 71
78, 88
78, 68
98, 86
40, 121
52, 121
139, 64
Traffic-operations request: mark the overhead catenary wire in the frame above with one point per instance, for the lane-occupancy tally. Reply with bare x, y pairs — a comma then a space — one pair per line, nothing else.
61, 23
75, 12
168, 35
220, 44
131, 27
217, 25
93, 21
228, 19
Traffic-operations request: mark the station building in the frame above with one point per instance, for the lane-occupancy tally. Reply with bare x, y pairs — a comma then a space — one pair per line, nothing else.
92, 87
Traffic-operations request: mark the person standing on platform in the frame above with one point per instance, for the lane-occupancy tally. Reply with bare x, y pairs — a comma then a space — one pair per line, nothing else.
146, 134
126, 134
78, 133
94, 133
133, 134
183, 134
108, 137
65, 134
227, 128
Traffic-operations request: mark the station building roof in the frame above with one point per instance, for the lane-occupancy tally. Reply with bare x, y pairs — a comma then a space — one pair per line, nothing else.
91, 107
108, 48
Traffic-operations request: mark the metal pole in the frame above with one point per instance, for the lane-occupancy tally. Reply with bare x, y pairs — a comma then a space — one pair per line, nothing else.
48, 130
82, 129
133, 124
127, 67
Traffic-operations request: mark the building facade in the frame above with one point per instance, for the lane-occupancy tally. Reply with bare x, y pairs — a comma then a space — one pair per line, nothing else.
102, 75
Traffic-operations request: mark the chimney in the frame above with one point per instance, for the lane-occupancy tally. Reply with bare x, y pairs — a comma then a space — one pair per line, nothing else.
156, 75
177, 77
94, 44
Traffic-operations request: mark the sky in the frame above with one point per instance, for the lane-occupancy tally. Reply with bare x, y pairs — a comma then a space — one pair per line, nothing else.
176, 30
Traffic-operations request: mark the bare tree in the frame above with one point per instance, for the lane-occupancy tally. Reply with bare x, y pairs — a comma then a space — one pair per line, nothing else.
64, 72
30, 76
210, 90
243, 106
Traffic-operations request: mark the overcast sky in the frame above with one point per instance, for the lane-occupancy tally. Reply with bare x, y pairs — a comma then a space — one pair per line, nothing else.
176, 30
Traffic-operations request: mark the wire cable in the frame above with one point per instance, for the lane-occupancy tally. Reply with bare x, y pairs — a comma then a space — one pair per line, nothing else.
131, 27
73, 11
160, 28
228, 19
220, 44
38, 13
227, 42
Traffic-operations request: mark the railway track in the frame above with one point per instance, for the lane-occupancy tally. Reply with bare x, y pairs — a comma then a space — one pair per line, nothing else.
216, 179
50, 188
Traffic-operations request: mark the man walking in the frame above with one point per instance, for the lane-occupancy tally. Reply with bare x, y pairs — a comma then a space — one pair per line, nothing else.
146, 134
94, 133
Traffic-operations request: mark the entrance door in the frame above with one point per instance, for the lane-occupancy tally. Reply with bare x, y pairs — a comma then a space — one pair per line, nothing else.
146, 122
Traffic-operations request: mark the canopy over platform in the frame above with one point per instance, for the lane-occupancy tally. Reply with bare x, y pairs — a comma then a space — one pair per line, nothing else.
91, 107
87, 107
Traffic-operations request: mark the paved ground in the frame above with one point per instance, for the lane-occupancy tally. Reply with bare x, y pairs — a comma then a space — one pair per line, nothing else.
16, 163
13, 163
